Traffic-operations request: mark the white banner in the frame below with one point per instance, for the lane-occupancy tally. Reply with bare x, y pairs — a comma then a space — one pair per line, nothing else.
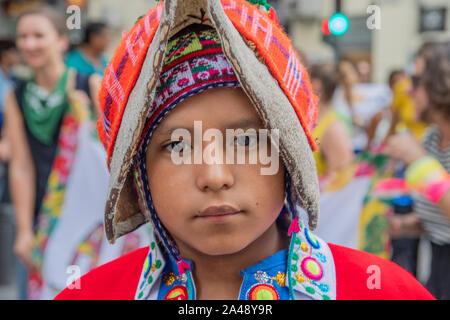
77, 243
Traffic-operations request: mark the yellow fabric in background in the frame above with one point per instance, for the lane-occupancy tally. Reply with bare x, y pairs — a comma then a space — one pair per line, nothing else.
373, 229
403, 105
318, 134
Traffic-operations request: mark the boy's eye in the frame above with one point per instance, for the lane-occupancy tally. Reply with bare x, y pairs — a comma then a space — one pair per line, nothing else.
176, 146
245, 140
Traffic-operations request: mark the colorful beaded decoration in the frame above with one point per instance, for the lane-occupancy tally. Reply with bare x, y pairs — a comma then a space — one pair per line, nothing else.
263, 292
312, 268
170, 278
311, 239
152, 263
177, 293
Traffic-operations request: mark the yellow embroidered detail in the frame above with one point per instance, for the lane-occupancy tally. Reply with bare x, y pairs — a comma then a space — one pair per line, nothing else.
304, 247
299, 278
169, 279
280, 278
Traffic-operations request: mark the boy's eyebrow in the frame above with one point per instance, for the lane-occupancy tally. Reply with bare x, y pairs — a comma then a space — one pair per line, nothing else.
240, 124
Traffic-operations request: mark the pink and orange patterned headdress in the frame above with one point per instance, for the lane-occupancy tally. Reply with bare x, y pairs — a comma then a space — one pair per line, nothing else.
266, 65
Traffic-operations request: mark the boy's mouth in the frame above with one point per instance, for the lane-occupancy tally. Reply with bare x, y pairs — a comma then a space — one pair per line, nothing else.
218, 211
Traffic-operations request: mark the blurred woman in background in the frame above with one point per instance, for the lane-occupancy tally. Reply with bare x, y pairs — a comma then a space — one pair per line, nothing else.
335, 145
37, 124
429, 166
89, 58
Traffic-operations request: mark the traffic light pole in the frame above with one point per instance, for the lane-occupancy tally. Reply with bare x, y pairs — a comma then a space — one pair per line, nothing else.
338, 5
338, 8
335, 27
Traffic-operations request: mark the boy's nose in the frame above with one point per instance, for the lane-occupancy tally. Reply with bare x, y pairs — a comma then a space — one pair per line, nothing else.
215, 177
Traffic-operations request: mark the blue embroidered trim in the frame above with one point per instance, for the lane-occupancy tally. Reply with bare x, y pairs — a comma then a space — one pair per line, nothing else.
296, 280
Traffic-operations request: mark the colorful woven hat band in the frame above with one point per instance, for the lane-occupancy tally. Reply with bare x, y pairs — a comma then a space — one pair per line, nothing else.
194, 63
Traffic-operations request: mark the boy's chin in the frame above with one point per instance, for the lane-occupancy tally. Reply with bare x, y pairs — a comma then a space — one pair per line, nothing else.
223, 248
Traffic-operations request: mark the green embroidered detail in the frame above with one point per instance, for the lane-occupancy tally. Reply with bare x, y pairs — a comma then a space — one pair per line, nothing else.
166, 84
310, 290
191, 43
297, 276
261, 3
291, 281
201, 68
139, 18
149, 280
264, 295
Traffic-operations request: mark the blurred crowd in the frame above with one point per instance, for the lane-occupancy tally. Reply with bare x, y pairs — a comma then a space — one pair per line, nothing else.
405, 119
41, 75
412, 124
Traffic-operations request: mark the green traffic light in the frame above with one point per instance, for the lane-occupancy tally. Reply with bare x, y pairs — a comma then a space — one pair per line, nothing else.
338, 24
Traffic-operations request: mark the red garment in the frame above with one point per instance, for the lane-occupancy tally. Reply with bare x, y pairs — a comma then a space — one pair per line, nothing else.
118, 279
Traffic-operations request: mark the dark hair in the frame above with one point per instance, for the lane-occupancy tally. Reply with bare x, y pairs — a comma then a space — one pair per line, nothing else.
6, 45
195, 27
425, 48
328, 76
436, 77
55, 17
393, 74
93, 28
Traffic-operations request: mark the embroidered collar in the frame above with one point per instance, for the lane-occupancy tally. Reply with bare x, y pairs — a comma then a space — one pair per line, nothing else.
266, 279
304, 271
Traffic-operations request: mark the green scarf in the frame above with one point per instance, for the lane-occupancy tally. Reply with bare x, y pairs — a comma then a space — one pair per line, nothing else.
42, 110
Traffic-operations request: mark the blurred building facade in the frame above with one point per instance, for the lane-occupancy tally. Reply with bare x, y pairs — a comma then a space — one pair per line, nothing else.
119, 14
404, 25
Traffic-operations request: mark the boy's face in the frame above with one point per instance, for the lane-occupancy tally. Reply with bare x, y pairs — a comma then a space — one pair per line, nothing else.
213, 208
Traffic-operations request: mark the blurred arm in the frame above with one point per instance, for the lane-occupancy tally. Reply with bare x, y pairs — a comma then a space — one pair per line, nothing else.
94, 86
405, 225
337, 147
22, 179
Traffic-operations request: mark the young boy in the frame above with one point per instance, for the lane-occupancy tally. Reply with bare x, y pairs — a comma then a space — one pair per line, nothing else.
193, 86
